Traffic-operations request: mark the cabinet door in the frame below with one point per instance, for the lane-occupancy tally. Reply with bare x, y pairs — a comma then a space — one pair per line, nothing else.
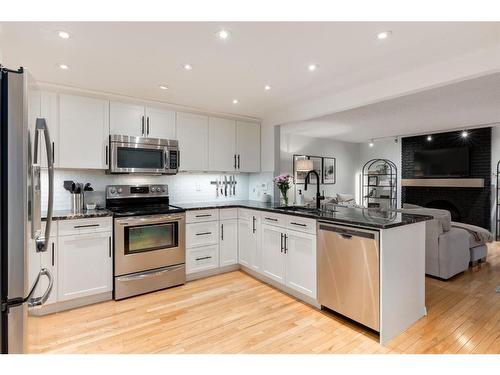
273, 256
83, 132
221, 144
248, 146
85, 265
301, 262
244, 241
192, 133
255, 244
126, 119
160, 123
228, 242
49, 109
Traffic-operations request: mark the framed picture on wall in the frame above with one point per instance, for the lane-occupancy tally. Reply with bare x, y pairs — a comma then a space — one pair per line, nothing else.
329, 170
300, 177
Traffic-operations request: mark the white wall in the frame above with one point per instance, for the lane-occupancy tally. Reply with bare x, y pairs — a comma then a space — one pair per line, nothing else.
384, 149
347, 162
183, 187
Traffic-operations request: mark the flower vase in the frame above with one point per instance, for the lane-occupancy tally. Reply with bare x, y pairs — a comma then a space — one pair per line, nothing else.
284, 199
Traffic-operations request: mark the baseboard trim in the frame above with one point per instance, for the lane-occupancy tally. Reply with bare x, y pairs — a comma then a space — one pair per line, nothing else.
212, 272
304, 298
71, 304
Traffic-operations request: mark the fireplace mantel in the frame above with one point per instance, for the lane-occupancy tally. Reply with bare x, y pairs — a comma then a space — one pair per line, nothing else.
444, 182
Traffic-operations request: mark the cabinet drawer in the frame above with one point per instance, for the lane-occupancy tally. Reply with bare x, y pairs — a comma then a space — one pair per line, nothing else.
270, 218
83, 226
199, 216
301, 224
228, 213
202, 259
201, 234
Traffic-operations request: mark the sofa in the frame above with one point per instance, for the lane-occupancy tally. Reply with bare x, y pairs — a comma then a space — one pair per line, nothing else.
449, 247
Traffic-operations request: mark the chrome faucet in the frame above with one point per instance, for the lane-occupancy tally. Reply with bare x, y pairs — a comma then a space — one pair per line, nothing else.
319, 197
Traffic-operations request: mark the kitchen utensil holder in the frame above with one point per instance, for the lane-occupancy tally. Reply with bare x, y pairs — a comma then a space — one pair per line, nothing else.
77, 203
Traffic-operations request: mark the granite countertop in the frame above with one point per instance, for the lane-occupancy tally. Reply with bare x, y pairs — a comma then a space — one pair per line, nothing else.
363, 217
68, 214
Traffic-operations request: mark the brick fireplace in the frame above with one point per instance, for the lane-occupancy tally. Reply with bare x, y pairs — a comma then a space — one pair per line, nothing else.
466, 204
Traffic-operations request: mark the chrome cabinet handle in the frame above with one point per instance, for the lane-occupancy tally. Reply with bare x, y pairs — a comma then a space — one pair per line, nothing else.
222, 232
38, 301
86, 226
234, 161
299, 224
147, 126
41, 125
281, 250
272, 219
53, 255
110, 246
253, 224
203, 233
203, 258
142, 125
285, 247
238, 161
205, 215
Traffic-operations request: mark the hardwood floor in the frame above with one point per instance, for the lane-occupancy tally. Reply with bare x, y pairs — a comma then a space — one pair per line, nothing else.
234, 313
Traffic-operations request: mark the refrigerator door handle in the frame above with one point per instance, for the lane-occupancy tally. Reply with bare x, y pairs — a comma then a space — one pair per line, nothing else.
41, 125
38, 301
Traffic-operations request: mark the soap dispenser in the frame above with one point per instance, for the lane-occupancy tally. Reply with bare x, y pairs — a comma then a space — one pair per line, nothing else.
300, 199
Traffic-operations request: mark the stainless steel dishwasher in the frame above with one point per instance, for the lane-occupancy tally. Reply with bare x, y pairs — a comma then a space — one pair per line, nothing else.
348, 272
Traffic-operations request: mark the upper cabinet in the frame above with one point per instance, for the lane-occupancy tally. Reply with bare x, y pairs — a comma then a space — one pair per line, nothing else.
83, 132
248, 146
140, 121
192, 133
221, 144
233, 145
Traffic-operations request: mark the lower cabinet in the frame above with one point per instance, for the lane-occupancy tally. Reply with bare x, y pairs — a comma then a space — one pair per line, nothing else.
202, 259
85, 265
249, 238
228, 242
289, 258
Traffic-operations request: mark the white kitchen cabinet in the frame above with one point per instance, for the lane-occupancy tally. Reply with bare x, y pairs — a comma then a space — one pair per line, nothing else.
83, 132
85, 265
273, 257
228, 242
249, 244
127, 119
192, 133
301, 262
221, 144
248, 146
160, 123
201, 259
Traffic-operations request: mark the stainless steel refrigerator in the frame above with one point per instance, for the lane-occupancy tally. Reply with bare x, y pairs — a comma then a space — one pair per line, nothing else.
21, 238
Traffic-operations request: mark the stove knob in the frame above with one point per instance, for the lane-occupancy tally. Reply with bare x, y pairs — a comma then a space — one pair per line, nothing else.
119, 190
153, 189
163, 189
112, 190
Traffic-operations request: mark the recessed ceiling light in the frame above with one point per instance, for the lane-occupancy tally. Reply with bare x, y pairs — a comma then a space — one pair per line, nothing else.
164, 87
223, 34
371, 144
312, 67
235, 101
429, 138
384, 35
63, 34
63, 66
188, 67
465, 134
267, 87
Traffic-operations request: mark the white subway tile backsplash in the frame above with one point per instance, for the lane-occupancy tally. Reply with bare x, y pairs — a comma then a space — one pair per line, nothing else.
183, 187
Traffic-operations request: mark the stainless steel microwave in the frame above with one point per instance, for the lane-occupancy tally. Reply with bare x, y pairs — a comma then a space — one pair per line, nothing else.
143, 155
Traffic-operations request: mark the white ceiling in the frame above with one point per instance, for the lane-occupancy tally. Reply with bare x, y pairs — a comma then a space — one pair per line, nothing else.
134, 58
468, 103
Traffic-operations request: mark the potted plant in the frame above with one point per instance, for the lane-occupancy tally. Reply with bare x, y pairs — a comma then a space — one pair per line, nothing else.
284, 183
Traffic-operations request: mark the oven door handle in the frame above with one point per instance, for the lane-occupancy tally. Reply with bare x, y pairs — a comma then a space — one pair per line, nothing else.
143, 221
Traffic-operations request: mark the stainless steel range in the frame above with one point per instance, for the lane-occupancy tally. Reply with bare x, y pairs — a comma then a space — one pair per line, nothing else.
149, 239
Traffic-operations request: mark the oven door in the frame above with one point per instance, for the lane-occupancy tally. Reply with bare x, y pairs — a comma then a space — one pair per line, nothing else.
148, 242
139, 158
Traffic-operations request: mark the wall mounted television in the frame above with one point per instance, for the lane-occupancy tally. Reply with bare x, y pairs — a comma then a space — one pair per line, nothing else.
442, 163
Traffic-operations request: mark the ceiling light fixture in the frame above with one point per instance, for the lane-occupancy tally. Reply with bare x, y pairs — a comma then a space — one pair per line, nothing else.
429, 138
223, 34
464, 134
371, 144
164, 87
312, 67
63, 34
384, 35
267, 87
188, 67
235, 101
63, 66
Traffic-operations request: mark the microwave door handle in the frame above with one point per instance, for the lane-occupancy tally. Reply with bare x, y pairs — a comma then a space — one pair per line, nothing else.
178, 159
41, 125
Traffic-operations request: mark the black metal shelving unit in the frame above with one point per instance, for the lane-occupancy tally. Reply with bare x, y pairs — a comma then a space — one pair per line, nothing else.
383, 193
